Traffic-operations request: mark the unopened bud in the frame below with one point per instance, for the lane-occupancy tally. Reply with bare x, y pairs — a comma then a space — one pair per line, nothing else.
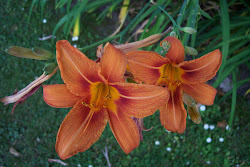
25, 53
166, 45
188, 100
142, 43
188, 30
191, 51
76, 31
49, 68
173, 34
194, 114
42, 52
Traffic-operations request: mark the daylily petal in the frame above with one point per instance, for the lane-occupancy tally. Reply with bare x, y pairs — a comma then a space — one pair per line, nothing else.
202, 92
139, 100
124, 130
201, 69
80, 129
173, 114
59, 96
113, 63
145, 65
176, 52
77, 71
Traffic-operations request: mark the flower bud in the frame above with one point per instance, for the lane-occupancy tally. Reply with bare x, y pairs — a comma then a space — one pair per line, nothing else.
49, 68
188, 100
173, 34
194, 114
191, 51
27, 53
166, 45
142, 43
76, 31
42, 52
188, 30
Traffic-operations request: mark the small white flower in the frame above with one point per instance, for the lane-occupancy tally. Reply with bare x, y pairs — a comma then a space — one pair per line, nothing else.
206, 126
157, 143
237, 165
79, 165
75, 38
211, 127
38, 139
188, 163
90, 166
208, 162
221, 139
168, 149
227, 127
202, 108
209, 140
181, 137
174, 141
75, 45
44, 21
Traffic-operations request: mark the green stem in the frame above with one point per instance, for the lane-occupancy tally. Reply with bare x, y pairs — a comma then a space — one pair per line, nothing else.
99, 42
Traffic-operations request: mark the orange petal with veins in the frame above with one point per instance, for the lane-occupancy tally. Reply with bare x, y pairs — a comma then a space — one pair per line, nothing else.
124, 130
77, 71
59, 96
173, 114
80, 129
139, 100
176, 52
202, 92
113, 63
145, 65
201, 69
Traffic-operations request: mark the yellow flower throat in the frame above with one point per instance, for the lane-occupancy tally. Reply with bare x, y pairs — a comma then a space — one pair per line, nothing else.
102, 96
170, 76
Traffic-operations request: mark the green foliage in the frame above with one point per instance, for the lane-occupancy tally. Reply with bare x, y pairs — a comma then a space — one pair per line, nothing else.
32, 129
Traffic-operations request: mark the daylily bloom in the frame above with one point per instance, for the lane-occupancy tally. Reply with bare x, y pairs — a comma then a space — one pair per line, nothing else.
98, 93
177, 76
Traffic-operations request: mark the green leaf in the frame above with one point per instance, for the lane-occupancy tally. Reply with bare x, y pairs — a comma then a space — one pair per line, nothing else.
24, 53
234, 96
205, 14
225, 34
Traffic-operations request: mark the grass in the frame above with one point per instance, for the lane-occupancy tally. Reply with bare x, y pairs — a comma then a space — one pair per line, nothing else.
32, 129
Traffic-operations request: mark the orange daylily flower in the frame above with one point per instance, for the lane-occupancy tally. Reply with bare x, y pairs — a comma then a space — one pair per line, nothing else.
98, 94
178, 76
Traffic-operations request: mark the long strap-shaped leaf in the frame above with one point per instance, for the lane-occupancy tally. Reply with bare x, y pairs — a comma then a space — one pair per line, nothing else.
225, 34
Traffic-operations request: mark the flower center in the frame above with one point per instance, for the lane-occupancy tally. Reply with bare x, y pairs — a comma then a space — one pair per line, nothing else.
170, 76
102, 96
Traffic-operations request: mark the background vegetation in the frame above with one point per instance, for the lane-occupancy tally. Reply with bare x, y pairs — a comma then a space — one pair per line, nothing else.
31, 130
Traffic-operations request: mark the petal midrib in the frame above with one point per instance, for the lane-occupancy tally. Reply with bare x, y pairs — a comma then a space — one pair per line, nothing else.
145, 65
142, 97
86, 122
71, 61
202, 66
